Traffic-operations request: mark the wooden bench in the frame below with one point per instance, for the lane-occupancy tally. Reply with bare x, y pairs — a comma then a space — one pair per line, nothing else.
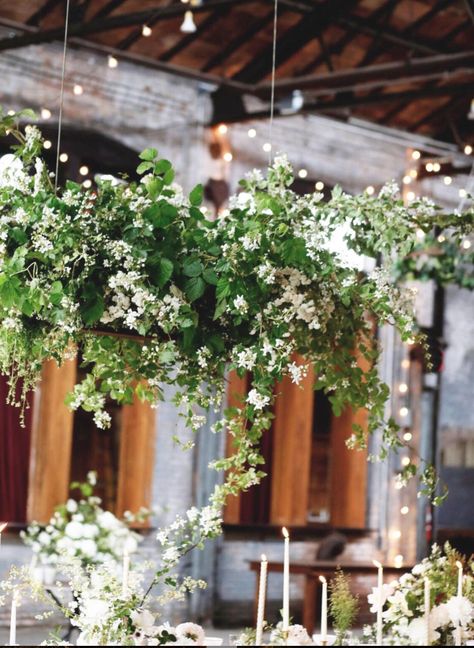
312, 570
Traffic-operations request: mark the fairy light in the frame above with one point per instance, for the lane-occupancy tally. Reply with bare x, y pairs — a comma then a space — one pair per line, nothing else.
84, 170
222, 129
447, 180
408, 436
147, 31
441, 238
45, 113
405, 510
395, 534
319, 186
416, 155
87, 184
413, 173
267, 147
252, 133
462, 193
370, 190
112, 62
466, 244
78, 90
468, 149
302, 173
403, 388
429, 167
398, 561
64, 157
228, 157
406, 461
411, 196
407, 179
403, 411
405, 363
47, 144
436, 167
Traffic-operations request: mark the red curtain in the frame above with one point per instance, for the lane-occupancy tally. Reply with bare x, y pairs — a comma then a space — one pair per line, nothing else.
14, 459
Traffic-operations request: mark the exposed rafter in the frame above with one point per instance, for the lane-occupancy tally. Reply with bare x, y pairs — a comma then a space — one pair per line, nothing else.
42, 12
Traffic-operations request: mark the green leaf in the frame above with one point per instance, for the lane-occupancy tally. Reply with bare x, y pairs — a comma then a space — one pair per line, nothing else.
154, 187
194, 288
169, 177
192, 267
8, 294
210, 276
196, 196
166, 269
149, 154
144, 167
162, 166
221, 308
56, 293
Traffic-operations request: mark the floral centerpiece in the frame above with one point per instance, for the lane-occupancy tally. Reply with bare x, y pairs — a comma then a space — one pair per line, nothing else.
83, 530
152, 291
404, 603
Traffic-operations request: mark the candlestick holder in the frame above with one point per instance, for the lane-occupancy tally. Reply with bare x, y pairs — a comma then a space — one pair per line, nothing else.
327, 640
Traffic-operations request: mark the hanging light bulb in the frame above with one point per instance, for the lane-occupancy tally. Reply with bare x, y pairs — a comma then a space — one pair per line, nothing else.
47, 144
416, 155
303, 173
188, 26
468, 149
252, 133
112, 62
146, 31
78, 90
45, 113
319, 186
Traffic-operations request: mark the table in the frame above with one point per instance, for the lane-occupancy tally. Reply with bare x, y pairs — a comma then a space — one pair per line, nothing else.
311, 570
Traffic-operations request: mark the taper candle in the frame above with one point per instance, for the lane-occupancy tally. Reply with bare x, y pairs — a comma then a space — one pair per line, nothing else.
324, 611
2, 529
380, 603
12, 641
427, 611
460, 577
262, 593
286, 580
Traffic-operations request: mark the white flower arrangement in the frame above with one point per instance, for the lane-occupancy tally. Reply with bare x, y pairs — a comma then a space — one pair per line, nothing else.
83, 530
403, 601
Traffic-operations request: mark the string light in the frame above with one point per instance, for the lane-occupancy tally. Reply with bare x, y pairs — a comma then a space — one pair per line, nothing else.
411, 196
466, 244
413, 173
252, 133
64, 157
408, 436
319, 186
429, 167
403, 388
84, 170
398, 561
228, 157
436, 167
416, 155
78, 90
222, 129
146, 31
45, 113
267, 147
302, 173
395, 534
468, 149
441, 238
403, 411
462, 193
405, 510
370, 190
47, 144
405, 363
406, 461
447, 180
112, 62
407, 179
87, 184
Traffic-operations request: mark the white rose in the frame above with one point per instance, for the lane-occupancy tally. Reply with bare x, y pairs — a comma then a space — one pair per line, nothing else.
94, 611
74, 530
71, 506
88, 548
108, 521
44, 538
90, 531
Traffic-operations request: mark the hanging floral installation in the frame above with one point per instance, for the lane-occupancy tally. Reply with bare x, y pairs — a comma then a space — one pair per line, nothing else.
153, 292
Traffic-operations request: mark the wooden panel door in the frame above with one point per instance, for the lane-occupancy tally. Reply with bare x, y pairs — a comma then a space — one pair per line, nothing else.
291, 466
137, 456
51, 441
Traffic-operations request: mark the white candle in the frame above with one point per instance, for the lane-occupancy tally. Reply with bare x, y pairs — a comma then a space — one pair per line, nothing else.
380, 603
262, 593
2, 529
125, 572
324, 611
427, 610
12, 641
460, 577
286, 581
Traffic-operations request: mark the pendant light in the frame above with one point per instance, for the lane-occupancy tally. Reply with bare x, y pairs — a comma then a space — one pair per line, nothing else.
188, 26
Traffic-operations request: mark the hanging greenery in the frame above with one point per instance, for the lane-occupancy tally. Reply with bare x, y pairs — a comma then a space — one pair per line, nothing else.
153, 292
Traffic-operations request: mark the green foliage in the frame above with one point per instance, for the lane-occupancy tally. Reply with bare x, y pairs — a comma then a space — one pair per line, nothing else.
343, 605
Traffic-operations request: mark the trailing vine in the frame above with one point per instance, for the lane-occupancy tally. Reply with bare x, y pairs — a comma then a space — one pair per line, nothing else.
153, 292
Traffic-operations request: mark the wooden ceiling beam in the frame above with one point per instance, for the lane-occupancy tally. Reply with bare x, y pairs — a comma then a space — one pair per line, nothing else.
108, 8
110, 23
384, 73
42, 12
293, 40
470, 9
236, 43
